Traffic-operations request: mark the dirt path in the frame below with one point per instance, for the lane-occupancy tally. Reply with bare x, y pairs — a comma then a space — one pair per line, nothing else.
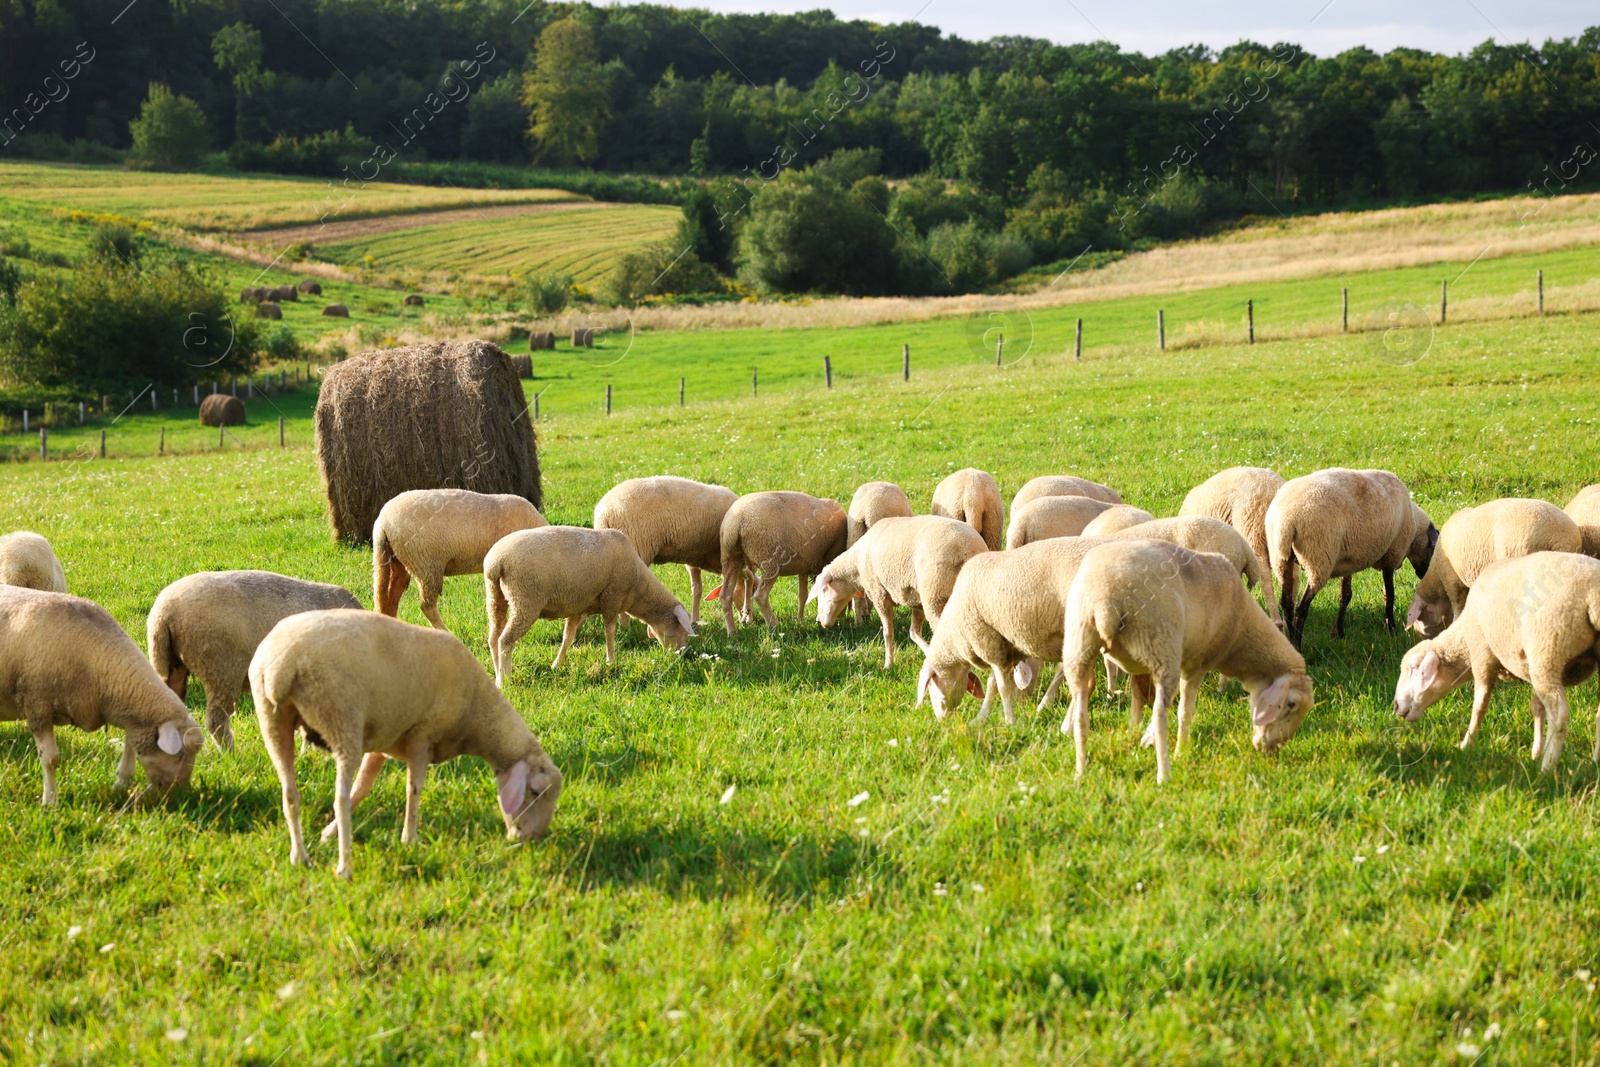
324, 233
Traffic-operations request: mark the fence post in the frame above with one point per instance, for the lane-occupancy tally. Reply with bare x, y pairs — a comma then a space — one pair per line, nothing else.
213, 387
1344, 318
83, 412
174, 398
44, 442
755, 381
161, 449
1444, 301
608, 398
280, 431
535, 407
680, 392
105, 406
905, 363
197, 395
102, 444
152, 398
1161, 330
1541, 290
249, 388
1250, 319
221, 436
1077, 343
24, 420
233, 385
827, 370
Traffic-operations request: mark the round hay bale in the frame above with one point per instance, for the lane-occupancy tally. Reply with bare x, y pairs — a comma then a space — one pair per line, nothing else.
248, 295
336, 311
541, 339
288, 292
441, 415
523, 366
311, 287
268, 309
583, 337
267, 292
414, 300
220, 409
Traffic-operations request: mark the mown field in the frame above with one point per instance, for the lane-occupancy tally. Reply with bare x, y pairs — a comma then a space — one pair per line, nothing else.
1368, 894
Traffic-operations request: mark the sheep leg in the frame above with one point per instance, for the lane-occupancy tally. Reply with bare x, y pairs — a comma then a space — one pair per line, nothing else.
517, 625
1556, 711
1536, 706
1008, 694
1345, 594
989, 691
1302, 612
125, 767
805, 585
1052, 689
1113, 673
1388, 598
611, 638
1188, 694
417, 757
1081, 684
917, 617
858, 605
568, 634
393, 578
1158, 723
729, 593
763, 595
343, 782
885, 611
1137, 698
695, 587
1480, 704
219, 719
44, 738
280, 747
178, 681
495, 607
366, 778
429, 586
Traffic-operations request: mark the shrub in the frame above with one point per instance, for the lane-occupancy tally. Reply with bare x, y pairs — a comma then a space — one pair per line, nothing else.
548, 293
657, 269
278, 345
972, 258
805, 232
928, 200
10, 280
322, 154
705, 231
115, 245
1180, 208
170, 130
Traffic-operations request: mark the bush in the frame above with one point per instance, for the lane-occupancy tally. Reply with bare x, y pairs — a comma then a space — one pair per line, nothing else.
548, 293
620, 188
170, 131
1181, 207
279, 345
324, 154
805, 232
705, 232
972, 258
10, 280
928, 201
1054, 232
115, 245
657, 269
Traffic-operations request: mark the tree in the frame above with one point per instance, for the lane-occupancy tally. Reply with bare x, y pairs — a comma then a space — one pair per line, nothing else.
170, 130
236, 49
807, 233
566, 93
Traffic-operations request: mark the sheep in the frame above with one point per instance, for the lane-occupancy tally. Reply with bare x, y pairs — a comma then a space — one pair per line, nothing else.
431, 534
901, 560
1202, 533
65, 661
1335, 523
1240, 497
1116, 518
1162, 610
1473, 538
27, 561
1535, 618
767, 536
1052, 516
1063, 485
973, 497
871, 502
670, 520
209, 625
1584, 509
568, 572
369, 687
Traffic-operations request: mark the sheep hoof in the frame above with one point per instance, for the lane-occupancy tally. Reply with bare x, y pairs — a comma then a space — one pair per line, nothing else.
345, 872
329, 830
299, 858
1148, 740
1466, 742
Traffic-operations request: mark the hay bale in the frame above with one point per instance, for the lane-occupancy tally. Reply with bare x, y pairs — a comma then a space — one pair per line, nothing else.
336, 311
523, 366
583, 337
288, 292
220, 409
267, 292
541, 339
446, 414
414, 300
268, 309
249, 295
311, 288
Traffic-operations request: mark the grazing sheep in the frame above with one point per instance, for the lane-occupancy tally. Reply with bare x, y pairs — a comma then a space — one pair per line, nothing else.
209, 625
1240, 497
1473, 538
1052, 516
1535, 618
1116, 518
1335, 523
767, 536
432, 534
911, 560
65, 661
1202, 533
1176, 615
871, 502
27, 560
371, 688
973, 497
670, 520
568, 572
1584, 509
1063, 485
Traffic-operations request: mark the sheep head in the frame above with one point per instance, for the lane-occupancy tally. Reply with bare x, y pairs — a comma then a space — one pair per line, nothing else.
1424, 680
675, 631
831, 595
944, 686
1277, 710
167, 752
529, 789
1428, 615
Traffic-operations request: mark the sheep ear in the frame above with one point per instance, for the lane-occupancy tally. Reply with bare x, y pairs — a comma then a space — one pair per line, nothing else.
922, 682
974, 686
1428, 670
1269, 703
1416, 611
715, 594
169, 739
683, 617
1022, 674
513, 787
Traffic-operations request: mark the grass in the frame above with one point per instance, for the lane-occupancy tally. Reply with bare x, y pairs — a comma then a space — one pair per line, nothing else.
1369, 893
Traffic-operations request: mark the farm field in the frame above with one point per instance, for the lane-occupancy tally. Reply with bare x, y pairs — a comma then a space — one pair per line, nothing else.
1368, 894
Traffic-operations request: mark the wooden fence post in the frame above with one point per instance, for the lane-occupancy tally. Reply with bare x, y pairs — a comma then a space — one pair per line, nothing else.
827, 370
1344, 315
152, 398
680, 392
535, 407
221, 436
24, 420
1444, 301
608, 398
755, 381
83, 412
161, 449
1161, 330
1250, 319
102, 444
280, 431
44, 442
1541, 290
233, 385
999, 349
1077, 343
905, 363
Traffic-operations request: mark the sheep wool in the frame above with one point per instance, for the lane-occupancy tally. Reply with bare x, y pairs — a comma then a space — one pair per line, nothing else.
28, 561
1063, 485
1045, 517
973, 497
1201, 533
1117, 518
1584, 509
1240, 497
767, 536
670, 520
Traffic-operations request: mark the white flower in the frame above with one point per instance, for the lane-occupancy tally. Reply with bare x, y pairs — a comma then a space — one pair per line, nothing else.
286, 990
727, 795
177, 1033
675, 1015
1382, 849
954, 766
1582, 974
73, 932
866, 833
1138, 887
476, 1035
894, 742
1361, 859
1491, 1031
1468, 1052
939, 890
976, 888
859, 799
776, 653
862, 821
107, 947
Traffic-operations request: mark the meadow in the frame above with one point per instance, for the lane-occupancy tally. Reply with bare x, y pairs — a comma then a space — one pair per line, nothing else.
715, 889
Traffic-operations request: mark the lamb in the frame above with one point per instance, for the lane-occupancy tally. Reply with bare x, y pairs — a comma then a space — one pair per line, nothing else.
1335, 523
670, 520
1584, 509
1535, 618
27, 561
1162, 610
900, 560
1063, 485
1240, 497
65, 661
1201, 533
1116, 518
209, 625
767, 536
1052, 516
369, 687
973, 497
432, 534
1473, 538
568, 572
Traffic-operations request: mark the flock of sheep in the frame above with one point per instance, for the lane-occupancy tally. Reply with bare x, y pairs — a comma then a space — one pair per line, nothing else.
1510, 588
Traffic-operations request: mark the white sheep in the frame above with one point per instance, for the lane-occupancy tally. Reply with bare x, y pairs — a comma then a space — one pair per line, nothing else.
1052, 516
1116, 518
1240, 497
1584, 509
973, 497
1336, 523
909, 561
568, 572
432, 534
27, 561
64, 661
370, 688
1176, 615
670, 520
1048, 485
767, 536
1535, 618
1473, 538
1202, 533
209, 625
872, 501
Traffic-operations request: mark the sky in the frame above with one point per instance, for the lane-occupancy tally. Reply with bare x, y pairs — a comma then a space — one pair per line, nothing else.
1322, 27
